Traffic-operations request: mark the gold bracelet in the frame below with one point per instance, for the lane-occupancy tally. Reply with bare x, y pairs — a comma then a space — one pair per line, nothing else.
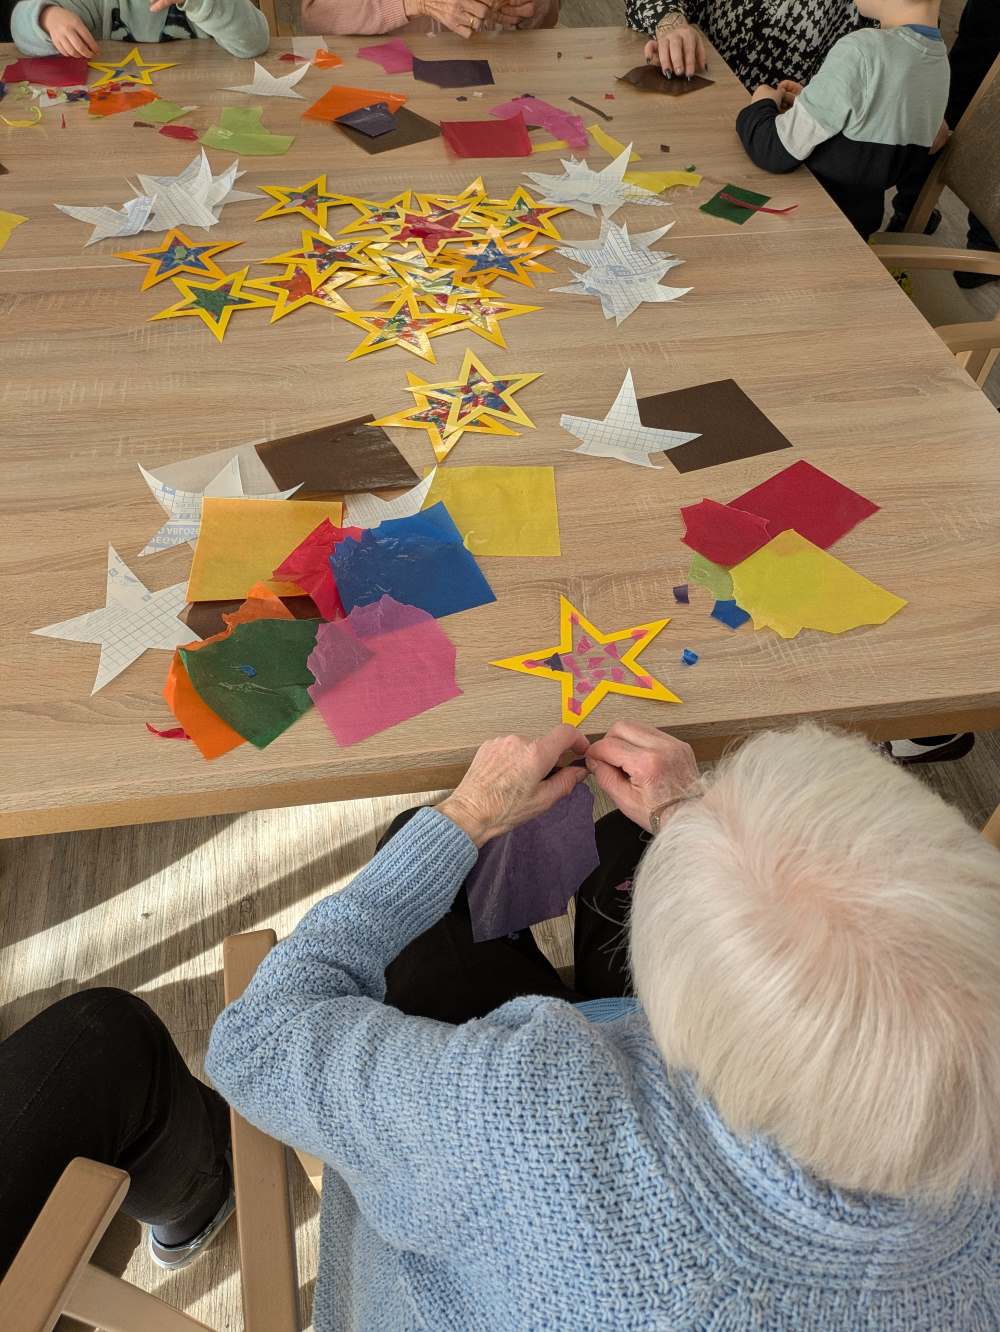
654, 817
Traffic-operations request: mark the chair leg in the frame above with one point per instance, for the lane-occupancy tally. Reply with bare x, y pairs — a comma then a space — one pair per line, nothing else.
115, 1305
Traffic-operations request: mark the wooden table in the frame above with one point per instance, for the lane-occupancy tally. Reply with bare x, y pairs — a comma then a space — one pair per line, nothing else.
795, 308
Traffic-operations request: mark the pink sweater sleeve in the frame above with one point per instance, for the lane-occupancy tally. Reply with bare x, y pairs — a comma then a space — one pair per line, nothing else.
352, 16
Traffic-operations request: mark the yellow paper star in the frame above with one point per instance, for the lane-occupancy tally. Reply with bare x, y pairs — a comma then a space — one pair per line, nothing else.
312, 200
133, 69
497, 257
523, 213
402, 325
300, 284
471, 197
214, 303
177, 254
590, 665
431, 415
377, 216
477, 394
482, 313
329, 255
428, 283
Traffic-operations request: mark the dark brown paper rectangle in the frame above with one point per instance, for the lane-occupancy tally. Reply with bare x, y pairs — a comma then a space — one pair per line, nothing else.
730, 424
650, 78
410, 128
337, 459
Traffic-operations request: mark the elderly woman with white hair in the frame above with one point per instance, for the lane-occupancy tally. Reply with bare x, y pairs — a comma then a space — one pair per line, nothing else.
793, 1127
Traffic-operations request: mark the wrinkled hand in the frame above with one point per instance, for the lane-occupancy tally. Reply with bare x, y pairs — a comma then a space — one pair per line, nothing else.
67, 32
463, 17
513, 12
641, 768
789, 90
765, 93
679, 48
508, 783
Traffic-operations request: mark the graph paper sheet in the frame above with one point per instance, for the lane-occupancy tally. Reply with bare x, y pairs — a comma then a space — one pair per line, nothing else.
621, 434
131, 620
266, 84
581, 188
183, 507
369, 510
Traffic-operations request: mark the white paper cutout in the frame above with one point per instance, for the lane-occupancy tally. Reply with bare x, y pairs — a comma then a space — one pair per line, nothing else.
622, 272
128, 220
308, 46
368, 510
621, 434
183, 507
581, 188
266, 84
131, 620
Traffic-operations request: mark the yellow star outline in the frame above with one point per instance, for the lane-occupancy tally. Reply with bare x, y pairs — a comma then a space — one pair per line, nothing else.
166, 260
427, 284
284, 207
512, 259
217, 319
586, 677
121, 71
402, 325
431, 415
466, 394
482, 313
522, 212
470, 198
352, 254
302, 284
377, 216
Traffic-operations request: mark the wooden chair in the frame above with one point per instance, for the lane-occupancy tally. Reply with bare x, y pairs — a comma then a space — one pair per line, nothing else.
52, 1273
279, 28
969, 166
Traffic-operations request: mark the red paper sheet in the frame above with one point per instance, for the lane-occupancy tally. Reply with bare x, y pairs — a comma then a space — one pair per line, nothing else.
179, 132
721, 533
487, 138
809, 501
308, 566
54, 71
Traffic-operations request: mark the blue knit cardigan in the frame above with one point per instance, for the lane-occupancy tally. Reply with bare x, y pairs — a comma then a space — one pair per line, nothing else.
535, 1170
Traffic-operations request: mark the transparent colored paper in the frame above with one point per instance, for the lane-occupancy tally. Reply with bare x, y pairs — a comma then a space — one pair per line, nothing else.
241, 540
501, 510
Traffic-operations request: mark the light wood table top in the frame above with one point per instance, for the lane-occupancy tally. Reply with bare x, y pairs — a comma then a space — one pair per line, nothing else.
794, 308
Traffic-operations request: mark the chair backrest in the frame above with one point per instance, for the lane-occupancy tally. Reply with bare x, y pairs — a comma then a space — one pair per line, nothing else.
971, 162
52, 1274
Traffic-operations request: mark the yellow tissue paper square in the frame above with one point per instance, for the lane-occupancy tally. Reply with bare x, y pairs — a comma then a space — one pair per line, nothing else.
501, 510
242, 540
790, 585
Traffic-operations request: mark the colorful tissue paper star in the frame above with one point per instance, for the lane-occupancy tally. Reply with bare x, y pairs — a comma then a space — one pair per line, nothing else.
177, 254
428, 284
131, 620
312, 200
300, 284
477, 393
374, 216
133, 69
214, 303
498, 258
432, 415
432, 231
328, 255
590, 665
402, 325
481, 314
523, 213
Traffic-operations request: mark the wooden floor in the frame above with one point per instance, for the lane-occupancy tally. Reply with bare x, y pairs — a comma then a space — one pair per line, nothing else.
147, 908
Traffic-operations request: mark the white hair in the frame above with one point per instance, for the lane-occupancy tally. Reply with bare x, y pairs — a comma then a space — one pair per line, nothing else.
818, 940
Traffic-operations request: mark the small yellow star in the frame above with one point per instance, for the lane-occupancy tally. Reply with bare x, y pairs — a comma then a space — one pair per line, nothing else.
477, 393
431, 415
312, 200
177, 254
590, 665
133, 69
300, 284
523, 213
214, 303
402, 325
329, 255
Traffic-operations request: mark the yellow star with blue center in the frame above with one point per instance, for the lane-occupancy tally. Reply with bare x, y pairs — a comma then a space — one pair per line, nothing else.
177, 254
133, 69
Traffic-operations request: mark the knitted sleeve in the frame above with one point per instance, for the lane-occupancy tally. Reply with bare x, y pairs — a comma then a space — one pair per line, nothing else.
364, 17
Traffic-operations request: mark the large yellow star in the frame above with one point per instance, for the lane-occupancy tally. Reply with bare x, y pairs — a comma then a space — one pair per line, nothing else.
300, 285
482, 312
523, 213
497, 257
312, 200
477, 393
329, 255
133, 69
402, 325
377, 216
177, 254
214, 303
590, 665
431, 415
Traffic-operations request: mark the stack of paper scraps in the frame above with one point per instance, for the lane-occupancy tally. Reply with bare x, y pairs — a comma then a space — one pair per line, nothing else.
621, 270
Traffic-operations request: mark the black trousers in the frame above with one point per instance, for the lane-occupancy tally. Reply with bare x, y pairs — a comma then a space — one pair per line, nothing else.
444, 974
98, 1075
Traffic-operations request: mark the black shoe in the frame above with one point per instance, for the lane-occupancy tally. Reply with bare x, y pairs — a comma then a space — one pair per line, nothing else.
929, 748
969, 280
898, 222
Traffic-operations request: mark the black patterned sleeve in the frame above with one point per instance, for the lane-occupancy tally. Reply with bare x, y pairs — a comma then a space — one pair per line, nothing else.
644, 15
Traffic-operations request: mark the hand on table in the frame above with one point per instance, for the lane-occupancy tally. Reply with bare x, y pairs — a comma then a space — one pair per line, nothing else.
67, 32
765, 93
677, 47
789, 90
463, 17
508, 782
640, 768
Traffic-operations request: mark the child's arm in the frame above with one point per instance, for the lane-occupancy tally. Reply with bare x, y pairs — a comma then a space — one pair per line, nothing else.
40, 28
777, 140
237, 25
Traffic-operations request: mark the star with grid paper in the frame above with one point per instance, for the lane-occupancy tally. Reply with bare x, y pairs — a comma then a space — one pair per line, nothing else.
177, 254
402, 325
214, 303
312, 200
590, 665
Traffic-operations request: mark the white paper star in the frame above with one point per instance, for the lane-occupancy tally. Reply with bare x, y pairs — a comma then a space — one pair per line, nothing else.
128, 220
581, 188
131, 620
266, 84
368, 510
619, 253
183, 507
622, 296
621, 434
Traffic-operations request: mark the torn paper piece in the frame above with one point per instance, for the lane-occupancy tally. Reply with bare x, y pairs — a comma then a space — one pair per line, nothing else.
265, 84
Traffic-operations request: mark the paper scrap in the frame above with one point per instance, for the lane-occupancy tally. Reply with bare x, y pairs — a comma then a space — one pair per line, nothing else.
394, 56
132, 620
241, 540
621, 434
112, 100
53, 71
721, 533
730, 425
266, 84
453, 73
308, 566
240, 131
612, 146
162, 112
370, 510
730, 211
658, 181
419, 561
501, 510
681, 595
8, 221
713, 577
339, 99
167, 733
255, 678
372, 121
590, 665
689, 658
409, 129
790, 585
183, 507
650, 78
729, 614
808, 500
354, 455
562, 125
529, 875
506, 137
308, 47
